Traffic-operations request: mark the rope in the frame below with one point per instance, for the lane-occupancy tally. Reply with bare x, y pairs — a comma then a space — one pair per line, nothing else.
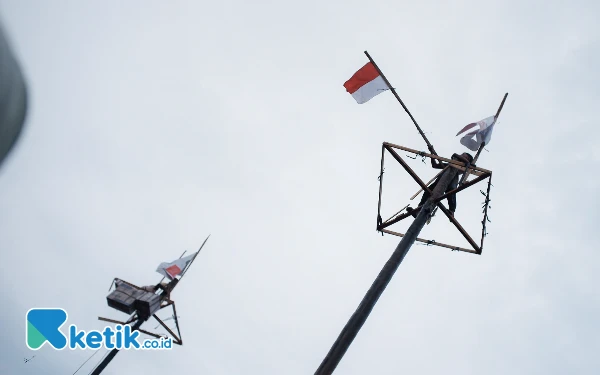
419, 153
90, 357
105, 354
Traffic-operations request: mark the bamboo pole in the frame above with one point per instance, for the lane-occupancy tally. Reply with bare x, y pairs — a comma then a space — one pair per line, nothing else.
429, 145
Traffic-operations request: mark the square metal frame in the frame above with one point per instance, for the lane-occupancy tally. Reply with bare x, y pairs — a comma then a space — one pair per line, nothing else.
481, 174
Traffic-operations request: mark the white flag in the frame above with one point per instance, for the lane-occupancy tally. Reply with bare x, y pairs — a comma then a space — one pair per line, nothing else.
174, 268
475, 138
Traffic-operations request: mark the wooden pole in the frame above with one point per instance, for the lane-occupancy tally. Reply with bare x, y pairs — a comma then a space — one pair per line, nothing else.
429, 145
349, 332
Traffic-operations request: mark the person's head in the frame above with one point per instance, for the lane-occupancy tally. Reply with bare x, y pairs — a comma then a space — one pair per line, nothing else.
465, 156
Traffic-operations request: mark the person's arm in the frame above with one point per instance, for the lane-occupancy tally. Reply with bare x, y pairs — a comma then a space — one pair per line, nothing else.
436, 164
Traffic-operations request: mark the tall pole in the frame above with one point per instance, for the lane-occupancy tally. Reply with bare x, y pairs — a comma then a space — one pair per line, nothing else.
165, 293
495, 119
361, 314
102, 365
429, 145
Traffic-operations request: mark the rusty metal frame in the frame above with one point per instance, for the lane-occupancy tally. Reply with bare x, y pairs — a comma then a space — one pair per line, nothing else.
481, 174
176, 338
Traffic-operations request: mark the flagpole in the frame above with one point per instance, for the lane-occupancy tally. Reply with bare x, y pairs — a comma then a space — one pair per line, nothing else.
495, 119
466, 174
429, 145
194, 258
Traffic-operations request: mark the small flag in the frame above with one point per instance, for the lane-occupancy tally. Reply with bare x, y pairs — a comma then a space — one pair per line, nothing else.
474, 139
365, 84
174, 268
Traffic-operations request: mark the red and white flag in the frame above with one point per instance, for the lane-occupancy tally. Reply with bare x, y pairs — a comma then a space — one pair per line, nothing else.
174, 268
365, 84
474, 139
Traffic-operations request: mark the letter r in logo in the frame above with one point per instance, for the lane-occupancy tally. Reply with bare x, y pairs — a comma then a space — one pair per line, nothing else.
44, 325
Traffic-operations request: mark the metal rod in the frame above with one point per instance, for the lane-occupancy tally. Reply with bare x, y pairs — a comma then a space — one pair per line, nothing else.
430, 181
394, 215
177, 324
432, 243
501, 105
408, 169
464, 186
455, 163
487, 199
361, 314
398, 218
167, 328
128, 283
152, 334
412, 174
429, 146
458, 226
194, 258
380, 186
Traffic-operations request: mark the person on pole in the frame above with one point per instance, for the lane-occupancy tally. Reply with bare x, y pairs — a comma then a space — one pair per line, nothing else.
465, 158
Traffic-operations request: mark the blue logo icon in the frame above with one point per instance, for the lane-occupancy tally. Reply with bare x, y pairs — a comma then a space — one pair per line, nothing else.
43, 325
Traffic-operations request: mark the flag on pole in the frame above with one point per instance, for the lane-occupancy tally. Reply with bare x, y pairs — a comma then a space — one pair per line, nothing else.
365, 84
474, 139
174, 268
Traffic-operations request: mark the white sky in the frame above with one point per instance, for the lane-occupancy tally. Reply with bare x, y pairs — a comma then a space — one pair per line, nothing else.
155, 123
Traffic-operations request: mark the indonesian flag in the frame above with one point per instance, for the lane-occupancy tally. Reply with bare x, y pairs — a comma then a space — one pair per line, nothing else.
478, 136
365, 84
174, 268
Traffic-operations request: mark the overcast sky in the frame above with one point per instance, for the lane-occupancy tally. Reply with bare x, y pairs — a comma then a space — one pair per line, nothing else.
155, 123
